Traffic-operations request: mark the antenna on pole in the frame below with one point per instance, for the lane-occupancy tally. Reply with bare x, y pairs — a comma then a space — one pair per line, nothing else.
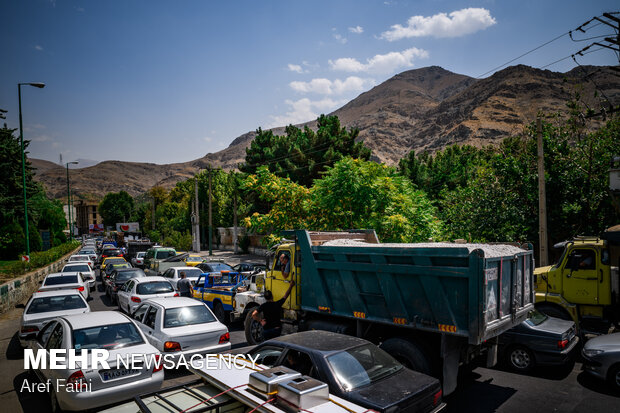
60, 159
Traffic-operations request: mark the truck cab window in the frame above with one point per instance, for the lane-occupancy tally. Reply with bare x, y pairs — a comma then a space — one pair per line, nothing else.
582, 259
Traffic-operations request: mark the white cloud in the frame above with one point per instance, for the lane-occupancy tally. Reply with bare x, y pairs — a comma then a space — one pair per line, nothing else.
336, 87
339, 38
295, 68
381, 63
207, 139
39, 48
304, 110
456, 24
356, 29
42, 138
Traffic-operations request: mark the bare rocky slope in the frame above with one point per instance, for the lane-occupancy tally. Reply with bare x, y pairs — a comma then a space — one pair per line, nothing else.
421, 109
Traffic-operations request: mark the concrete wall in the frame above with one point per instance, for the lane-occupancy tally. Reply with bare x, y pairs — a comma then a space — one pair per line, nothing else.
18, 290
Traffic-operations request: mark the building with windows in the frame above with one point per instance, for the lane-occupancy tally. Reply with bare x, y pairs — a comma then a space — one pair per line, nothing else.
88, 219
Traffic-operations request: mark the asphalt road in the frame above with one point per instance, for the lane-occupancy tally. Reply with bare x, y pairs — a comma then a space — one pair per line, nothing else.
481, 390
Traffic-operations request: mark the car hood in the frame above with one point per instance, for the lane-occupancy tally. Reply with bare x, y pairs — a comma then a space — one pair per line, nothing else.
606, 342
554, 325
404, 389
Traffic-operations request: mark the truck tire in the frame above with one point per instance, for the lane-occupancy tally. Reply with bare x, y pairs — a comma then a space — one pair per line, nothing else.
253, 329
553, 310
218, 310
408, 353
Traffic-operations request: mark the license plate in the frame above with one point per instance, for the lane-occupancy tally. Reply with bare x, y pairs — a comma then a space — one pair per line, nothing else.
117, 374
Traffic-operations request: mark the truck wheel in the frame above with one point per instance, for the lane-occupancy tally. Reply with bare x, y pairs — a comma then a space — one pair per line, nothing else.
253, 329
219, 312
554, 311
520, 359
613, 377
408, 353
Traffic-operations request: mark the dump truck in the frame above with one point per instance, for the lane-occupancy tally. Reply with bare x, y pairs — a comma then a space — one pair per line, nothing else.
433, 306
584, 285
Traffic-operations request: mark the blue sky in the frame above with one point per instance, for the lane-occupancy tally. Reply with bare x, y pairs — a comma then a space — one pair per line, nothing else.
170, 81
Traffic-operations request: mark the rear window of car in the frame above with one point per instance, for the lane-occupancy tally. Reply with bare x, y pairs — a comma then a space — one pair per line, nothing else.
217, 267
140, 254
107, 337
186, 316
154, 287
193, 273
76, 268
57, 303
126, 275
79, 258
164, 254
65, 279
114, 260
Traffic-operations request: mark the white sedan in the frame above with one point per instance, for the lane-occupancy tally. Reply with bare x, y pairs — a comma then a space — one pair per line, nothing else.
45, 306
97, 387
66, 281
136, 290
173, 274
181, 325
85, 269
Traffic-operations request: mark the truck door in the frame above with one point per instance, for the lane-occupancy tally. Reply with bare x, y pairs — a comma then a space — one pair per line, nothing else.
278, 284
580, 276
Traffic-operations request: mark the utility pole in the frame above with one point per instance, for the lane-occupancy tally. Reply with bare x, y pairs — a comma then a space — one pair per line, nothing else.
210, 215
196, 216
234, 177
542, 198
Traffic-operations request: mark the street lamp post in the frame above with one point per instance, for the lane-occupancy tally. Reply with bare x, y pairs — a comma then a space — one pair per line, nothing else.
69, 205
21, 139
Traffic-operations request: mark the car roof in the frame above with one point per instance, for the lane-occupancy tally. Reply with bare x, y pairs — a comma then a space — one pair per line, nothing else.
55, 293
62, 274
96, 318
175, 302
185, 268
318, 340
128, 269
150, 278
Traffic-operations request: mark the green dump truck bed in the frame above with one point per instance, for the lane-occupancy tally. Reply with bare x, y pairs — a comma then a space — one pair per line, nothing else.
475, 291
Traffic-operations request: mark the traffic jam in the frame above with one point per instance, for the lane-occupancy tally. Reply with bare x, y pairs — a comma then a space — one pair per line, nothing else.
331, 322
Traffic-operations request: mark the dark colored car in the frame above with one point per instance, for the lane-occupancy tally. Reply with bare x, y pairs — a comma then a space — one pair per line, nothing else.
105, 274
539, 340
215, 267
354, 369
249, 267
118, 277
602, 358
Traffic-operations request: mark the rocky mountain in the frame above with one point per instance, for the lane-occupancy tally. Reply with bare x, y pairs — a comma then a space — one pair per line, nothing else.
421, 109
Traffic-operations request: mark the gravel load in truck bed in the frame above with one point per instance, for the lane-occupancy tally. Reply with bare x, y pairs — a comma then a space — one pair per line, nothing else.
490, 250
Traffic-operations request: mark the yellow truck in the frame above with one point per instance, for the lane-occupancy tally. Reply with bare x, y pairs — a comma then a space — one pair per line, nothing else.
584, 285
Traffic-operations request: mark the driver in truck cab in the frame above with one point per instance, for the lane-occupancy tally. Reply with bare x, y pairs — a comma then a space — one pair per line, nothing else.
272, 314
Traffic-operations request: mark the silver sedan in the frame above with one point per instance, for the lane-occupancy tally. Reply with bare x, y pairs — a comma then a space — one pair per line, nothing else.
136, 290
88, 388
181, 325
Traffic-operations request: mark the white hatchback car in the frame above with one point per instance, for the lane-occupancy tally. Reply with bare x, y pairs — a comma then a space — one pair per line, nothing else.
136, 290
108, 330
181, 325
173, 274
45, 306
85, 269
66, 281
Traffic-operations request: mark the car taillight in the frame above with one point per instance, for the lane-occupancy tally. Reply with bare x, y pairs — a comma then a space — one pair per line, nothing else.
172, 346
80, 288
158, 364
224, 338
29, 329
77, 380
136, 299
176, 295
104, 256
437, 397
562, 343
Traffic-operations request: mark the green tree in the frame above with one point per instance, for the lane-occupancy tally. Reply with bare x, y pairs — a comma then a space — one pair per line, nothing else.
116, 207
303, 154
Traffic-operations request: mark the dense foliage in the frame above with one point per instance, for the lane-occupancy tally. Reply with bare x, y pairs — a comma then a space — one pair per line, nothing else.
43, 214
116, 207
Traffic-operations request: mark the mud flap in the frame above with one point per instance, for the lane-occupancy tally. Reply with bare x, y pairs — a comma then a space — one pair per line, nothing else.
450, 353
491, 353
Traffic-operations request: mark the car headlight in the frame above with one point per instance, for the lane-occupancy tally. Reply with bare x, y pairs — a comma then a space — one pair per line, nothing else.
591, 352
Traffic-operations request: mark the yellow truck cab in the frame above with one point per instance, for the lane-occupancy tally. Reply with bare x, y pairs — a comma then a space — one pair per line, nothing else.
278, 284
584, 285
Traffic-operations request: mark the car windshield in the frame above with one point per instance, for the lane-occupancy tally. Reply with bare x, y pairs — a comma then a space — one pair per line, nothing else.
126, 275
57, 303
220, 266
108, 337
65, 279
185, 316
535, 318
361, 366
76, 268
154, 287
